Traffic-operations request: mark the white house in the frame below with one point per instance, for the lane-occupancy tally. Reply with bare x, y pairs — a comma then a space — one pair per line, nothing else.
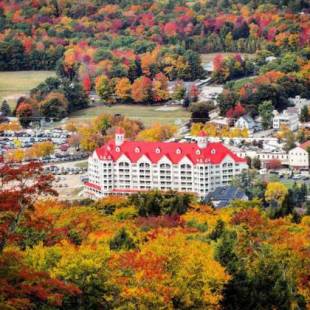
299, 157
123, 167
286, 118
246, 122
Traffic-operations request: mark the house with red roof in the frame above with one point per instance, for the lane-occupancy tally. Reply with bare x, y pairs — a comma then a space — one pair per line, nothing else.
123, 167
298, 157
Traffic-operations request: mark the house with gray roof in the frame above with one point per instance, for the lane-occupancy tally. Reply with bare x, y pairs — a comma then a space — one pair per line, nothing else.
222, 196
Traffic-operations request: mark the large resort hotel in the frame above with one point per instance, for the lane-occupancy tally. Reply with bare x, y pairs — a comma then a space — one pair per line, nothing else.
122, 167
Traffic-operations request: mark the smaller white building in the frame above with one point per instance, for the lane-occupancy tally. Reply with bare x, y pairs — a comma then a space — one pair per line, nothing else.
246, 122
287, 118
299, 157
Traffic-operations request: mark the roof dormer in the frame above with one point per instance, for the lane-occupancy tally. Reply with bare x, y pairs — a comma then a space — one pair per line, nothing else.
202, 140
119, 136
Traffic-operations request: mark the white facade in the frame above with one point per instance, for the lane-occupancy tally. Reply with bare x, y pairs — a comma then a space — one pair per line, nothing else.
135, 168
290, 120
298, 158
245, 122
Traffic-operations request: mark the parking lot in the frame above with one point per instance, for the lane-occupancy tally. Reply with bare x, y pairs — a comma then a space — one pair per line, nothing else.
69, 178
25, 139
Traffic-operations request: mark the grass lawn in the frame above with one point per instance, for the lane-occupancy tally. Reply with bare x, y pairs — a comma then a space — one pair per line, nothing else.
18, 83
83, 164
147, 114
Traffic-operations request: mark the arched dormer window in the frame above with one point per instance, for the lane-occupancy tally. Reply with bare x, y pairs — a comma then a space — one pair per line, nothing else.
137, 150
198, 152
157, 150
178, 151
213, 151
117, 149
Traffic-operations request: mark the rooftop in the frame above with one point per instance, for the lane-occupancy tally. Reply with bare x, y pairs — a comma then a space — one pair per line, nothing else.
213, 153
305, 145
222, 196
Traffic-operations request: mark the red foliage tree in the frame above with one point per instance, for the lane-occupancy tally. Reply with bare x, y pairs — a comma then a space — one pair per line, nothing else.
20, 187
218, 61
86, 83
238, 110
170, 29
273, 164
249, 217
23, 288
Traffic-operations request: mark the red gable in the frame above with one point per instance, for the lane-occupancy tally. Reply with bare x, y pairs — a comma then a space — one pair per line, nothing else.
175, 152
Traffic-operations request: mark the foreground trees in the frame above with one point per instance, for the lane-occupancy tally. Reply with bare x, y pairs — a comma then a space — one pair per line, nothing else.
149, 250
20, 187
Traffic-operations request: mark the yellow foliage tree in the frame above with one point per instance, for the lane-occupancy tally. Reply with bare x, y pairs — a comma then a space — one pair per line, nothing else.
157, 133
276, 191
123, 89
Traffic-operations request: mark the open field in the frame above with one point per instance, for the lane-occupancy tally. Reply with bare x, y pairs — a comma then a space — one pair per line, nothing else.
205, 58
147, 114
18, 83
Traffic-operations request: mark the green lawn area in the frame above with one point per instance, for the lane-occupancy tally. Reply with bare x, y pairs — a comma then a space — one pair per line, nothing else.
18, 83
83, 164
147, 114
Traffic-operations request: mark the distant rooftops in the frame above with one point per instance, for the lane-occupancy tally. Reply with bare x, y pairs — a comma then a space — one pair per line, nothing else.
222, 196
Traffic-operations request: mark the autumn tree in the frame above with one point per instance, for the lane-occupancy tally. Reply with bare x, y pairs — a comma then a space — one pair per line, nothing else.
24, 112
90, 138
160, 88
42, 149
141, 90
55, 105
20, 187
276, 192
15, 155
273, 164
123, 89
157, 133
104, 88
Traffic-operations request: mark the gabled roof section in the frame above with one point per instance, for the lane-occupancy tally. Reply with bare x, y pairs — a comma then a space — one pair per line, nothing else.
305, 145
213, 153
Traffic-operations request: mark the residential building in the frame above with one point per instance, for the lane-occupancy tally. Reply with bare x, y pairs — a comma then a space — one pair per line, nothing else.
246, 122
267, 156
299, 157
123, 167
222, 196
287, 118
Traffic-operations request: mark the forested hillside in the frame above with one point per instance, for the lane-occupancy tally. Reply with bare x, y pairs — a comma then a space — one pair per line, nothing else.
36, 33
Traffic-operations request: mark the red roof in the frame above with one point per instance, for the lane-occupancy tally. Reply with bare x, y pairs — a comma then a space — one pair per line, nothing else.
305, 145
175, 152
92, 185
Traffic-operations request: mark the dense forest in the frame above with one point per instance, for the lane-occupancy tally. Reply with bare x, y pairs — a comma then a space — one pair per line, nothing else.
151, 250
128, 51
